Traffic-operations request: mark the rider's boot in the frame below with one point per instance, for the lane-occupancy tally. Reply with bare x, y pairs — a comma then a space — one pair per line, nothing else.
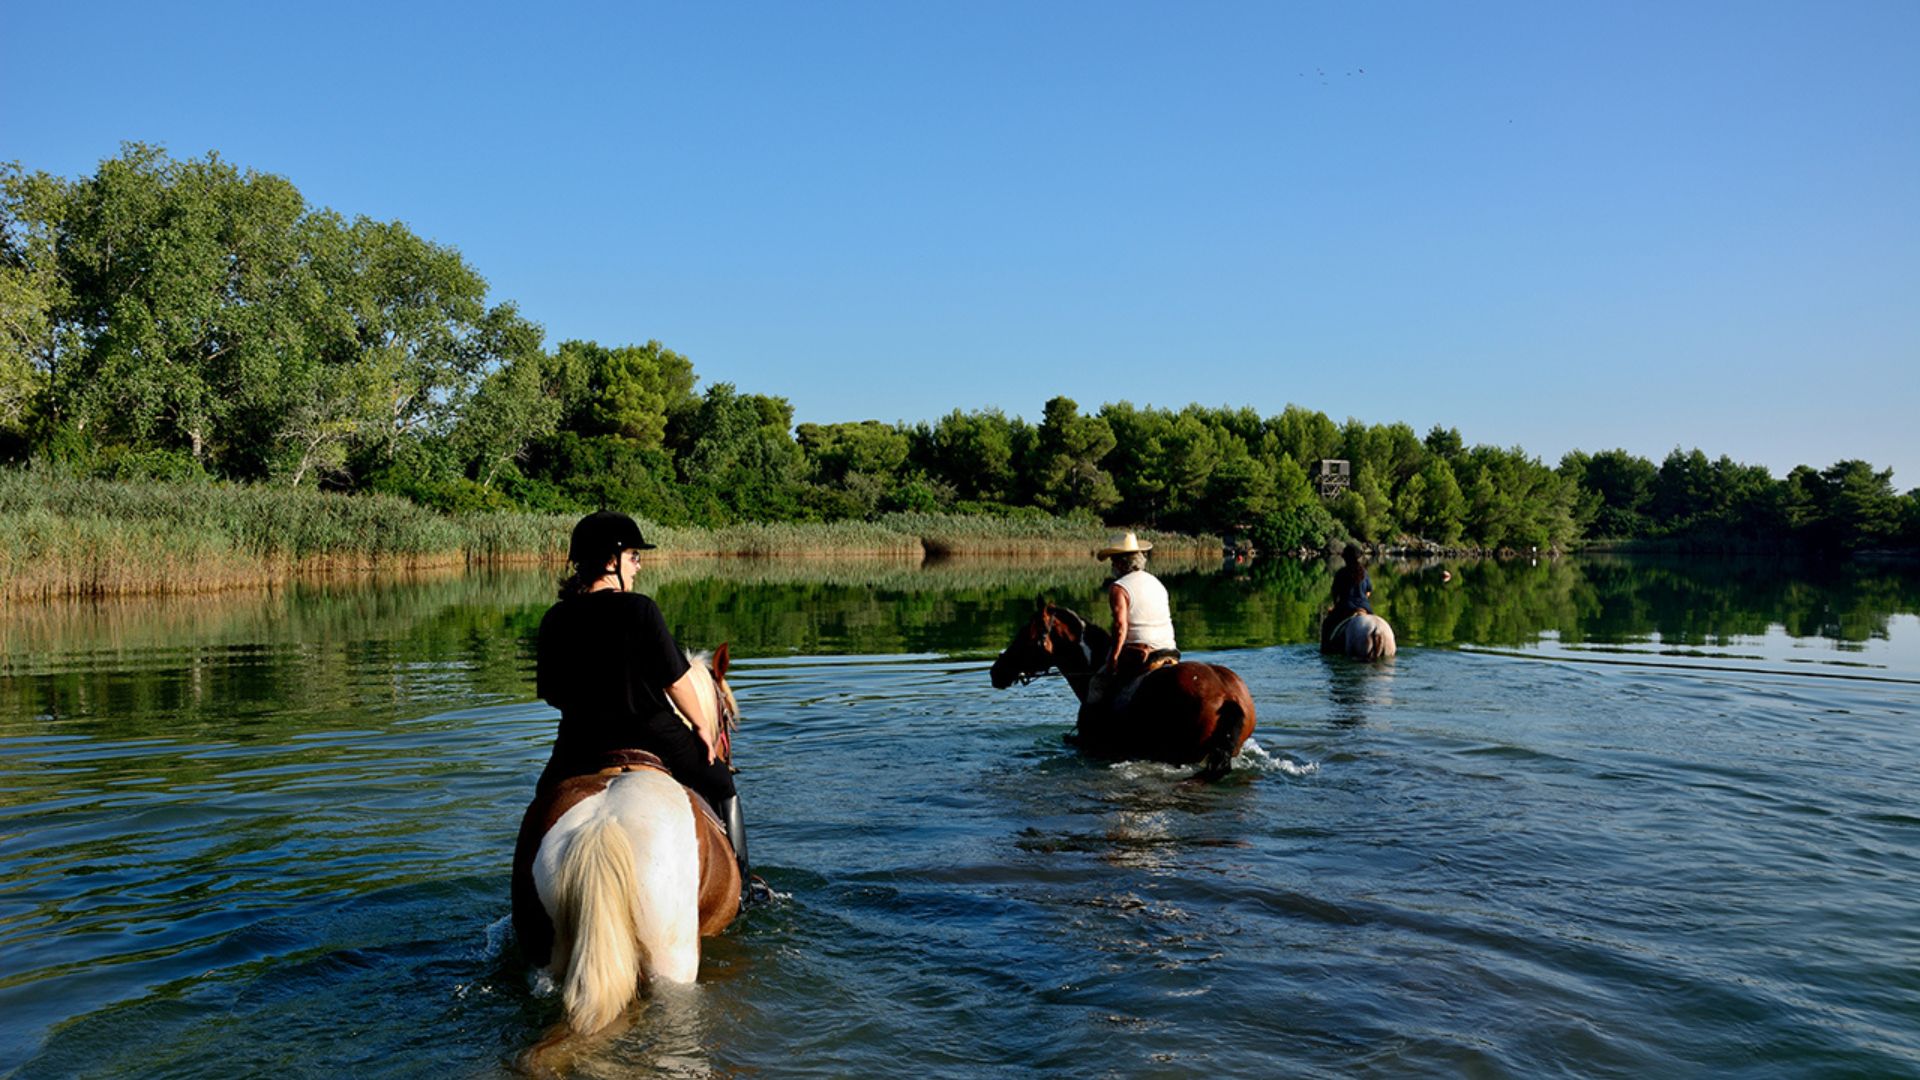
752, 889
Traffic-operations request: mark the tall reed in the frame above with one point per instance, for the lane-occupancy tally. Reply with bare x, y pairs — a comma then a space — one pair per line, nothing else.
955, 534
68, 535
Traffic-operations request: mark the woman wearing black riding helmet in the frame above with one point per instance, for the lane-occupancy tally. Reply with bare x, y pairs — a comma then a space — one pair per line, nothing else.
607, 661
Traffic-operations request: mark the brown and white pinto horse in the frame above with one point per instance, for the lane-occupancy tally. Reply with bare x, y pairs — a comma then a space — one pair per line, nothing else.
620, 872
1181, 713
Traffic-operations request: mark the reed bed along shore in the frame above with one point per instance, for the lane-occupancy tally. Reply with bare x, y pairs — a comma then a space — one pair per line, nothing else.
68, 536
953, 534
336, 606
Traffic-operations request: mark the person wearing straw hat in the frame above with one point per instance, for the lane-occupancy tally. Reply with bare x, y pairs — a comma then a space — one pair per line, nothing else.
1142, 616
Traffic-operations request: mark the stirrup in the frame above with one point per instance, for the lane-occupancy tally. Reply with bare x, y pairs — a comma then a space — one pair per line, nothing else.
754, 891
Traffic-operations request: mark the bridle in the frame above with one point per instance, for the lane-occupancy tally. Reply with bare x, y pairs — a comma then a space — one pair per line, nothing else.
1027, 678
1045, 639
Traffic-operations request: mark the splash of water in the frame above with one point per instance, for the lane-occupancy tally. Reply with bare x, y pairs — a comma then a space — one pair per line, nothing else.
1255, 757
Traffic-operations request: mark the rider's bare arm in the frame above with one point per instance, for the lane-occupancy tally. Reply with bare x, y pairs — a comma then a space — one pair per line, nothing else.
687, 700
1117, 596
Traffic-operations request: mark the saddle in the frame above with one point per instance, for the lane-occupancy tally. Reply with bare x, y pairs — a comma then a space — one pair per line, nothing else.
614, 762
1115, 690
1334, 622
627, 761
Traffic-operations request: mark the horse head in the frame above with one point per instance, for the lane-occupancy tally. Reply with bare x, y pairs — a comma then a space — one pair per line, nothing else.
729, 705
1038, 646
725, 707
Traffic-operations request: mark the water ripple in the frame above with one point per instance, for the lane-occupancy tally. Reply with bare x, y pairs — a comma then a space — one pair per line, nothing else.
1459, 863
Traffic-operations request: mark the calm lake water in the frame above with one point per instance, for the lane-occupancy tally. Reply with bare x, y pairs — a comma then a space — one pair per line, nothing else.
1600, 817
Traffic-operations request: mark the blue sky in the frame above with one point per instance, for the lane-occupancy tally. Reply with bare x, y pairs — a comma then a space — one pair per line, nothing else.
1633, 225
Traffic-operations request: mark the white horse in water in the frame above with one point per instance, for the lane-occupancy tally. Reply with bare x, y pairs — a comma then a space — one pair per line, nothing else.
619, 873
1362, 636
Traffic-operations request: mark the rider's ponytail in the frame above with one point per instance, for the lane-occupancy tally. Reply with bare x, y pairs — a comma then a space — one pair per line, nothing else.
576, 583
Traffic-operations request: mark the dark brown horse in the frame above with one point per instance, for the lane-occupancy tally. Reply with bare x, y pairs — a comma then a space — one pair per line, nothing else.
620, 872
1181, 713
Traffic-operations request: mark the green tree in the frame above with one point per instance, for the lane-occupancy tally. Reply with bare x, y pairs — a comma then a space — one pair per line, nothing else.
1431, 505
1365, 509
512, 407
1241, 492
1513, 501
1372, 452
31, 291
1162, 461
868, 447
184, 288
1137, 461
195, 309
328, 408
1399, 452
1068, 448
741, 460
974, 453
1803, 497
1693, 495
1496, 490
1683, 491
1621, 485
632, 391
1190, 452
1489, 512
1301, 519
570, 472
1861, 509
417, 314
1306, 435
1445, 443
856, 469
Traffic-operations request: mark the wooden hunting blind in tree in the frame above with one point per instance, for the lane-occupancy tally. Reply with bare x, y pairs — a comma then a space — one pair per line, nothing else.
1331, 476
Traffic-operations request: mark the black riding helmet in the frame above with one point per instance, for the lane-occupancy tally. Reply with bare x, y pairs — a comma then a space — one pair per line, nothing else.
601, 536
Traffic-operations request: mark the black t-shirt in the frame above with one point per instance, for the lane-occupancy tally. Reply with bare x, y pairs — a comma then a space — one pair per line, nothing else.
605, 660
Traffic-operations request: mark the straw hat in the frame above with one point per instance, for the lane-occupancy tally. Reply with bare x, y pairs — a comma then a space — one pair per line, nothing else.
1122, 543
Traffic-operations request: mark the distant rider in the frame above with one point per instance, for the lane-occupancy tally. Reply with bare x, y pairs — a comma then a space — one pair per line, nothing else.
1142, 616
1352, 593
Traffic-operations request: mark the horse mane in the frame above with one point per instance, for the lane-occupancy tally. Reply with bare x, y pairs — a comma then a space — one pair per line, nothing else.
702, 689
1095, 638
1072, 617
711, 691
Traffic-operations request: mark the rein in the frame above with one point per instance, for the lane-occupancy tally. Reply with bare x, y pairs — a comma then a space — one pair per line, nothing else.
1074, 632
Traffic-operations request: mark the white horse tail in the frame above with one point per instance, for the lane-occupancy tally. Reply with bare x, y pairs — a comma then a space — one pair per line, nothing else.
598, 913
1365, 636
1380, 640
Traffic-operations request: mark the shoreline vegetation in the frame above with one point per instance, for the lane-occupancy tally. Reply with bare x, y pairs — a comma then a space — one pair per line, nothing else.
207, 382
67, 537
72, 536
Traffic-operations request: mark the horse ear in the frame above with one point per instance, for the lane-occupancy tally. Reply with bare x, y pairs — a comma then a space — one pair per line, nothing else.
720, 661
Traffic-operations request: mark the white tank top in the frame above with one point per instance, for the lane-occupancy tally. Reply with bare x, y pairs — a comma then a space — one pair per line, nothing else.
1149, 616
